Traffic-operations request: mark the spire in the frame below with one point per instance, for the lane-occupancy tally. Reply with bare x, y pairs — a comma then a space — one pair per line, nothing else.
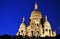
46, 18
23, 19
36, 5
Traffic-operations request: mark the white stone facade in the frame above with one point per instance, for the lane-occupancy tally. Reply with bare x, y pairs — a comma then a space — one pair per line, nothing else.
37, 27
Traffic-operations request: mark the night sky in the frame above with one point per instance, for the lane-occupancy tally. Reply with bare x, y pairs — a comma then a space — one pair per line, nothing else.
12, 12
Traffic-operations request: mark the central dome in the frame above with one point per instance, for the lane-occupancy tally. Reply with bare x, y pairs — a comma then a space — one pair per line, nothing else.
36, 13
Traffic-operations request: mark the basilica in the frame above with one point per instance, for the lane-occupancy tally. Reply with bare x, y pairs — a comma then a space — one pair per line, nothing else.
38, 26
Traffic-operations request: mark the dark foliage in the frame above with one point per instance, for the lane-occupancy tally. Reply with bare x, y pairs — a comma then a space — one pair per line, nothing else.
25, 37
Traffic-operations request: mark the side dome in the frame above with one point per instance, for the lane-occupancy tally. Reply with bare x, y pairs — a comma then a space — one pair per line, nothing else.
46, 23
23, 24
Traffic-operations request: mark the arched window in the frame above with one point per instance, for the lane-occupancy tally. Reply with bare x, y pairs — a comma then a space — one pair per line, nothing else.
49, 31
46, 29
37, 24
32, 33
18, 33
21, 31
38, 33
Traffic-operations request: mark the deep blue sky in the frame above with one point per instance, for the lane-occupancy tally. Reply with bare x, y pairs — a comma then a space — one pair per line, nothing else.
12, 11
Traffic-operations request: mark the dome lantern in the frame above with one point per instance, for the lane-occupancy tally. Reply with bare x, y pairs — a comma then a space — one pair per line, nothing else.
45, 18
23, 20
36, 6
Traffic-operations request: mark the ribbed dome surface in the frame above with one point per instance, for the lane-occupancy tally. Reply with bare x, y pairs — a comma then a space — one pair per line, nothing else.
47, 24
35, 14
22, 25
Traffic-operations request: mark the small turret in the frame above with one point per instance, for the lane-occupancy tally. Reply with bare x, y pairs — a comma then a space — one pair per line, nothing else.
46, 23
47, 27
22, 28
